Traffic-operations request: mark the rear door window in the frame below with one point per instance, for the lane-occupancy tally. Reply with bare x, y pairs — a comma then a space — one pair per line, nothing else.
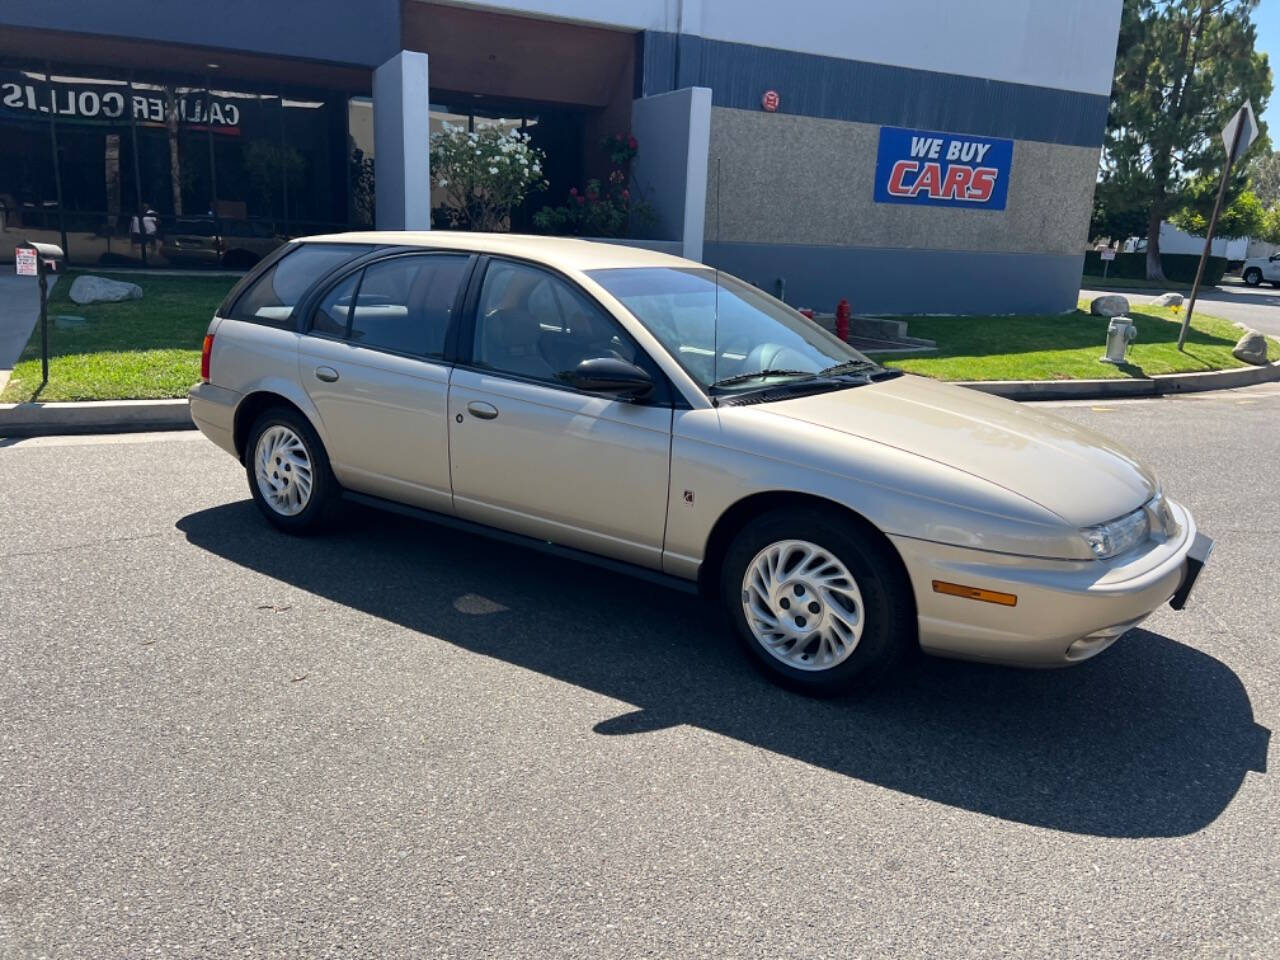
273, 295
403, 304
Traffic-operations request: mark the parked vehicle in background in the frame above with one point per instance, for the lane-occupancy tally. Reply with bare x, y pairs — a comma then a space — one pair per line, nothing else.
1257, 269
207, 241
667, 419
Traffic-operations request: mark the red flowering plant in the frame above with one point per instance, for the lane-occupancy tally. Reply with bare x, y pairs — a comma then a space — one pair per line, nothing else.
600, 209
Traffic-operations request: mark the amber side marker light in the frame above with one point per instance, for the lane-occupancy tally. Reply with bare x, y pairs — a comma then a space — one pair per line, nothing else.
975, 593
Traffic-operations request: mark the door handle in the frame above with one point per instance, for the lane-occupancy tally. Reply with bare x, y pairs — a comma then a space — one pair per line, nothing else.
485, 411
327, 374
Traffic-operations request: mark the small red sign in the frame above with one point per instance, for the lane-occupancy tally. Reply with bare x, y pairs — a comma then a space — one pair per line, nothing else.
771, 101
24, 261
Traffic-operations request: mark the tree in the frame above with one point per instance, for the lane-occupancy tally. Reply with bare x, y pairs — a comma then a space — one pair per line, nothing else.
1183, 67
1242, 217
1270, 230
1264, 178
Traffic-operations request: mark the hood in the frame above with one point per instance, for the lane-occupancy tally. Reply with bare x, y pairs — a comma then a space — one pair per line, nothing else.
1073, 472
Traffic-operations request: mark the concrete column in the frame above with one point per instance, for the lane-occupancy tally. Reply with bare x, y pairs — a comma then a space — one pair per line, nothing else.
674, 130
402, 143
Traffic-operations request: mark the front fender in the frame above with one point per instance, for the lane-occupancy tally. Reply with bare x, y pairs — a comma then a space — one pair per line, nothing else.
714, 465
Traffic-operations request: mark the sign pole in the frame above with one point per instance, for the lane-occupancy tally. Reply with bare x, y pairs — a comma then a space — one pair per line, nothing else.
1241, 118
44, 329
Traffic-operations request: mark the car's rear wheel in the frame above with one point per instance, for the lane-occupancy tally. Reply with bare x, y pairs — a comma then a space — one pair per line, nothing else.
1253, 276
288, 471
820, 603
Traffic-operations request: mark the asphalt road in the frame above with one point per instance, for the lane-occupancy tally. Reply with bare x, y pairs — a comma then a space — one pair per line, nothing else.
1259, 307
395, 741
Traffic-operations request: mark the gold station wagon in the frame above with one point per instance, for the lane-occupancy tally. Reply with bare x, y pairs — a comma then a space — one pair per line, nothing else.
662, 418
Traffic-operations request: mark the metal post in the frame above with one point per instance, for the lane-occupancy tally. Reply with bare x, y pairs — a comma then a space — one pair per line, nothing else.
44, 324
1208, 240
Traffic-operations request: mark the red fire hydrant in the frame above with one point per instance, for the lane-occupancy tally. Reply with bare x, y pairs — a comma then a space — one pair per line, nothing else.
807, 311
843, 313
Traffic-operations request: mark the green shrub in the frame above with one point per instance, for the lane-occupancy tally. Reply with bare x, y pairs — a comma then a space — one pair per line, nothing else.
1178, 267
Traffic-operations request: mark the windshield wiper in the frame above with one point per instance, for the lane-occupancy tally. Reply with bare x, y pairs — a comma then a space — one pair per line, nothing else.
744, 377
849, 366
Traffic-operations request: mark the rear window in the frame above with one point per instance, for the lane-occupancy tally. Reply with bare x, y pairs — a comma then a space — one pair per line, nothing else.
272, 297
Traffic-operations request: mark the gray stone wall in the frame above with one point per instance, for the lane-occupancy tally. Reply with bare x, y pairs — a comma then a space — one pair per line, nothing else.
785, 179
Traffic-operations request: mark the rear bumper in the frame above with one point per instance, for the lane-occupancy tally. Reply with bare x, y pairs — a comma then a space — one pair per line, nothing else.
213, 409
1066, 611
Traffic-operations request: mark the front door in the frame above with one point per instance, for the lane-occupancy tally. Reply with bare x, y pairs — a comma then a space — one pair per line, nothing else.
371, 361
532, 455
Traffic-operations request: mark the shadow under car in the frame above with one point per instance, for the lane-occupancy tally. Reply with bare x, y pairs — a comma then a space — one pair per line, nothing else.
1151, 739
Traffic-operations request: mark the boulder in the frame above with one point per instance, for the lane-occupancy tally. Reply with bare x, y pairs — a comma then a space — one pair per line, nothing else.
89, 289
1167, 300
1110, 305
1251, 348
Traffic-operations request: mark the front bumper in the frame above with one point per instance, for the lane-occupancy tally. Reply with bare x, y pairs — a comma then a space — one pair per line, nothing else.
1066, 611
213, 409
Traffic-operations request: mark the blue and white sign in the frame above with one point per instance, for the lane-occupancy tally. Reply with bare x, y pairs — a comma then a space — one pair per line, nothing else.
942, 169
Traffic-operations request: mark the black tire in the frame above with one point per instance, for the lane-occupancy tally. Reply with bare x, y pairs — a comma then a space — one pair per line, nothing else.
1253, 276
323, 500
889, 620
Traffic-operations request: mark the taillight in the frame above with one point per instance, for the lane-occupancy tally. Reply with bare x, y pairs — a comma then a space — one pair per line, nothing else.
204, 357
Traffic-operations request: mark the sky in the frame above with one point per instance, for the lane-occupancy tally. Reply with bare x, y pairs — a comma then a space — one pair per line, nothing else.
1267, 16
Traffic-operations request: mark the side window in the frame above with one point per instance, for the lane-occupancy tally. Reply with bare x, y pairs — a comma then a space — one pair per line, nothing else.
405, 304
273, 295
330, 317
531, 323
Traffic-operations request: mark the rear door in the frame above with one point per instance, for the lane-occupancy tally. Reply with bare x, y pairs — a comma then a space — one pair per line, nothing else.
535, 456
372, 361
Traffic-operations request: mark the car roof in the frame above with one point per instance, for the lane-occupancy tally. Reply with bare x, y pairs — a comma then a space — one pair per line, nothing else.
569, 254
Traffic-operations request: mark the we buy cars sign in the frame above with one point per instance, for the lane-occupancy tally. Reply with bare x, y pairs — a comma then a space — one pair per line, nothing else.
942, 169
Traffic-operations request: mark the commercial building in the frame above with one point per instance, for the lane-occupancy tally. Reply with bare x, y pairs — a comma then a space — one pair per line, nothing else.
911, 155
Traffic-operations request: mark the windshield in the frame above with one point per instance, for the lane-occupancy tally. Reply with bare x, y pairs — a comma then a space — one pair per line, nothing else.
736, 338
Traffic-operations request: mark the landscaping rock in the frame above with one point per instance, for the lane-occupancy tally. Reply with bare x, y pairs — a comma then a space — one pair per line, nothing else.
65, 321
1167, 300
1110, 305
1252, 348
88, 289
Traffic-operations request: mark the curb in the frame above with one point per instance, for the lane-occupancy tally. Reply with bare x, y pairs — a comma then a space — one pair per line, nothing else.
137, 416
1158, 386
93, 416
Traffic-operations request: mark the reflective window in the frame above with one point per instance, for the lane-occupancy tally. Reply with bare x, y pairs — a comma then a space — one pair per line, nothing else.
405, 304
273, 295
532, 323
28, 189
720, 328
331, 315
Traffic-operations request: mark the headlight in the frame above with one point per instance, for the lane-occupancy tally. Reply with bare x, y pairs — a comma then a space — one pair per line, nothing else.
1108, 540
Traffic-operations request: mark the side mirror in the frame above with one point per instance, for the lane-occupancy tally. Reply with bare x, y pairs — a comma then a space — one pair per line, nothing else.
611, 376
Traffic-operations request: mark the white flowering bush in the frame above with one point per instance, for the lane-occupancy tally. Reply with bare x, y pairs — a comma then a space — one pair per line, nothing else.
485, 174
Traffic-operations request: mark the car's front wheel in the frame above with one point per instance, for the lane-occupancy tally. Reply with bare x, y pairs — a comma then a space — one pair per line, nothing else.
1253, 276
288, 471
820, 603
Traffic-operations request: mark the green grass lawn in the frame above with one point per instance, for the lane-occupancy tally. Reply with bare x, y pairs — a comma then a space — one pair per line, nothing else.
138, 349
150, 348
1066, 347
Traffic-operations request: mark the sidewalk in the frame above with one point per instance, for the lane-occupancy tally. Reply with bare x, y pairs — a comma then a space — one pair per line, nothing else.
19, 311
